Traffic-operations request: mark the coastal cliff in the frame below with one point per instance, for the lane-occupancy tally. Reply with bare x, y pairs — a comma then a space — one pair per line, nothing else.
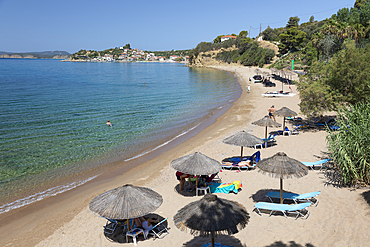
209, 58
205, 59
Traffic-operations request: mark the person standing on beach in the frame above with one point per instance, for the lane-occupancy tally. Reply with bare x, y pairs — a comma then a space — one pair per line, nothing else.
249, 89
271, 112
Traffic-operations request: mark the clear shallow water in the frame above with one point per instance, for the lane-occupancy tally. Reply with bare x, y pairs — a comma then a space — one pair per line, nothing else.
53, 115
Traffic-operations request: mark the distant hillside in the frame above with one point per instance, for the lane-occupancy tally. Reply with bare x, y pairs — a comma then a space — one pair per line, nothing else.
41, 55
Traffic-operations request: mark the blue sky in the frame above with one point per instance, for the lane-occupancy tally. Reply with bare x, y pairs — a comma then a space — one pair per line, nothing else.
71, 25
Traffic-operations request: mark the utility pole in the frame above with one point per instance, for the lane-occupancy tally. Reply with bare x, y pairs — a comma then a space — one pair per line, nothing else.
260, 29
250, 31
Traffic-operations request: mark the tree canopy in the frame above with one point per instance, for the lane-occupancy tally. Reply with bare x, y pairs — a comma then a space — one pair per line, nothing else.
344, 80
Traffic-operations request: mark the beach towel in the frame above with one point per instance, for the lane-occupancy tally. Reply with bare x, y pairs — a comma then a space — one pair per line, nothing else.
225, 187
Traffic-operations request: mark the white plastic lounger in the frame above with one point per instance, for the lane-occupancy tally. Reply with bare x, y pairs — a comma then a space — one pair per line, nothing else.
238, 167
319, 163
308, 197
284, 208
159, 230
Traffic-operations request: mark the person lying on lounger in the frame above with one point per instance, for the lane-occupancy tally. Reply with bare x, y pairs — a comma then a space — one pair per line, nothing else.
145, 224
248, 163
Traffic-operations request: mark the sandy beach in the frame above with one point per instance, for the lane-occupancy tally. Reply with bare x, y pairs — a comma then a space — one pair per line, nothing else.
340, 219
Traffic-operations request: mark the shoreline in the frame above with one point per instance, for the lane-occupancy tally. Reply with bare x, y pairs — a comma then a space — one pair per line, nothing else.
21, 214
69, 222
116, 161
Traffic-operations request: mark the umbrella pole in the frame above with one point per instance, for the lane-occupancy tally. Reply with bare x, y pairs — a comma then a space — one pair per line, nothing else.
196, 182
281, 191
284, 124
212, 239
266, 137
241, 155
128, 224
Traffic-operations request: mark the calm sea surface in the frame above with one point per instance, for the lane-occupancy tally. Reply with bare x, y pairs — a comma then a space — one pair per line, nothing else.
53, 115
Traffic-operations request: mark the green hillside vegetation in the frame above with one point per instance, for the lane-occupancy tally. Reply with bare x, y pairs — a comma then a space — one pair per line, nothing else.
246, 51
167, 54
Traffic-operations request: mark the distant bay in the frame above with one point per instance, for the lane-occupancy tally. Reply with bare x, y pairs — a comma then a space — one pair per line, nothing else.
53, 117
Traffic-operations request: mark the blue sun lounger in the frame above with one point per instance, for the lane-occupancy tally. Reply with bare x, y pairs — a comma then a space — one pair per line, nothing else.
286, 209
297, 198
319, 163
255, 158
216, 245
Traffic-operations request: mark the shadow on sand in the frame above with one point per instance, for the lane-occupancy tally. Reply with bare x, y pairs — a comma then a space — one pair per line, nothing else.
366, 196
290, 244
223, 239
119, 234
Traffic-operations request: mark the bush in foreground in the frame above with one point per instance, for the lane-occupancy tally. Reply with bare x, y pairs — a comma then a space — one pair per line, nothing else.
350, 145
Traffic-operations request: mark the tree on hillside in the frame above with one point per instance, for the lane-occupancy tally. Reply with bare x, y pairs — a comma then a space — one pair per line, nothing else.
243, 34
344, 80
293, 22
218, 39
291, 39
359, 3
312, 19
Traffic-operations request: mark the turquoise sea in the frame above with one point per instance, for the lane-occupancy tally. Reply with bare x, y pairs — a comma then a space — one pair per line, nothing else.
53, 118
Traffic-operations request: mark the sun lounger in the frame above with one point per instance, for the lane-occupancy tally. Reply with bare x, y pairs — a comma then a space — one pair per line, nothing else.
159, 230
111, 226
236, 160
291, 132
216, 245
286, 209
270, 140
297, 198
236, 166
313, 165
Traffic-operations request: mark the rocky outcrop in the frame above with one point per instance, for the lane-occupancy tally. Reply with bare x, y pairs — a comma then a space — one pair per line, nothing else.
206, 59
10, 56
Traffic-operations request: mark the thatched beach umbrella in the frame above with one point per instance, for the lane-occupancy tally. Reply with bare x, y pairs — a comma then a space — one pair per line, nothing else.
196, 164
211, 216
126, 202
266, 122
243, 139
281, 166
285, 112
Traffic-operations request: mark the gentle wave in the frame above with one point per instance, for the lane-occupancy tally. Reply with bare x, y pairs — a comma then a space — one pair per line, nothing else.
42, 195
163, 144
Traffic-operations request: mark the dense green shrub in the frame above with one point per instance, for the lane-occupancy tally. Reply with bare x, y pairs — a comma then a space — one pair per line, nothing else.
349, 146
248, 54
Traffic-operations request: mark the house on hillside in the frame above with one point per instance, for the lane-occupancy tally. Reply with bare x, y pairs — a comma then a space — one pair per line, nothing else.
227, 37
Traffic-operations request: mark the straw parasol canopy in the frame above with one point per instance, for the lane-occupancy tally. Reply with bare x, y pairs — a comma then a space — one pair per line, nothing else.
211, 216
266, 122
243, 139
281, 166
196, 164
126, 202
285, 112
